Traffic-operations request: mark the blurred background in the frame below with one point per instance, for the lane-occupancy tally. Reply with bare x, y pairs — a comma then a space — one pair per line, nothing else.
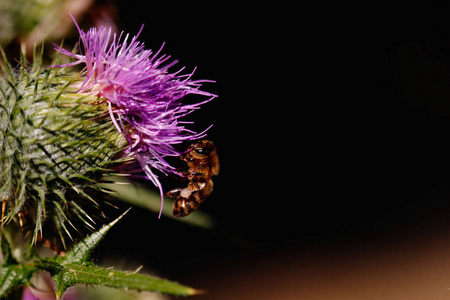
332, 126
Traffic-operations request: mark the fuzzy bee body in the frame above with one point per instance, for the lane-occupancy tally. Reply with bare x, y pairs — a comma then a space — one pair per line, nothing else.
203, 162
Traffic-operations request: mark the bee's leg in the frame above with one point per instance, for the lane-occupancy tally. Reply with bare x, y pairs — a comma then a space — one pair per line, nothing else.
195, 175
183, 172
173, 193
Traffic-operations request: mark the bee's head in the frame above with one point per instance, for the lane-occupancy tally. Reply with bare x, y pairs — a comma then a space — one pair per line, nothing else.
200, 150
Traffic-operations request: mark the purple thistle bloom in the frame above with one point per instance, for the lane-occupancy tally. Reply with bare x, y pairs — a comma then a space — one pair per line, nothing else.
144, 98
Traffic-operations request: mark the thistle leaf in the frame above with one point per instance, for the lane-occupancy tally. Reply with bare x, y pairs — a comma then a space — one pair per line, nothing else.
66, 275
12, 273
80, 253
77, 268
94, 275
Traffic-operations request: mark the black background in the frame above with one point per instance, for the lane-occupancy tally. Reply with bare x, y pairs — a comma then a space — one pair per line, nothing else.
332, 125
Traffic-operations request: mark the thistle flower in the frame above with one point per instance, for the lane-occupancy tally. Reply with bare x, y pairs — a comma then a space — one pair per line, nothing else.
144, 99
61, 131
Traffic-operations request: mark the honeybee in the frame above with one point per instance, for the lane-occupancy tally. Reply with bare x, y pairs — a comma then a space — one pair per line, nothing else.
203, 162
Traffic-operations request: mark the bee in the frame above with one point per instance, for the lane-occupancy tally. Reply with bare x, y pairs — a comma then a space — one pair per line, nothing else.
202, 162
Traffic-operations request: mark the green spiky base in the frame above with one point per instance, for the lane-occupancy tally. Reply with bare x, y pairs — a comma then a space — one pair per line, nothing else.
55, 143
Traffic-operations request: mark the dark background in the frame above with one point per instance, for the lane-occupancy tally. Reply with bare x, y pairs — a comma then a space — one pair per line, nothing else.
332, 125
256, 128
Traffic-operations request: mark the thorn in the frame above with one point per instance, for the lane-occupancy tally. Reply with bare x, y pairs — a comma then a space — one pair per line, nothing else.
120, 217
22, 65
80, 252
21, 216
3, 211
192, 292
138, 269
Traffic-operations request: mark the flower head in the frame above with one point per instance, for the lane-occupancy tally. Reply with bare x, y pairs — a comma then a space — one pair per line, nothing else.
144, 99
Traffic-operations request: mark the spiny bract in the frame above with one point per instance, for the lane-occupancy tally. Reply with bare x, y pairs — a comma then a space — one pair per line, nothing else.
55, 143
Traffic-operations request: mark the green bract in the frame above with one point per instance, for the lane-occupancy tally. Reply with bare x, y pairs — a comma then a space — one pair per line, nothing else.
55, 143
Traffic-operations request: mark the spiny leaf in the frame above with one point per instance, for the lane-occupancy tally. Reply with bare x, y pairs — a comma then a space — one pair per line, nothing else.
14, 275
67, 275
76, 268
80, 253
